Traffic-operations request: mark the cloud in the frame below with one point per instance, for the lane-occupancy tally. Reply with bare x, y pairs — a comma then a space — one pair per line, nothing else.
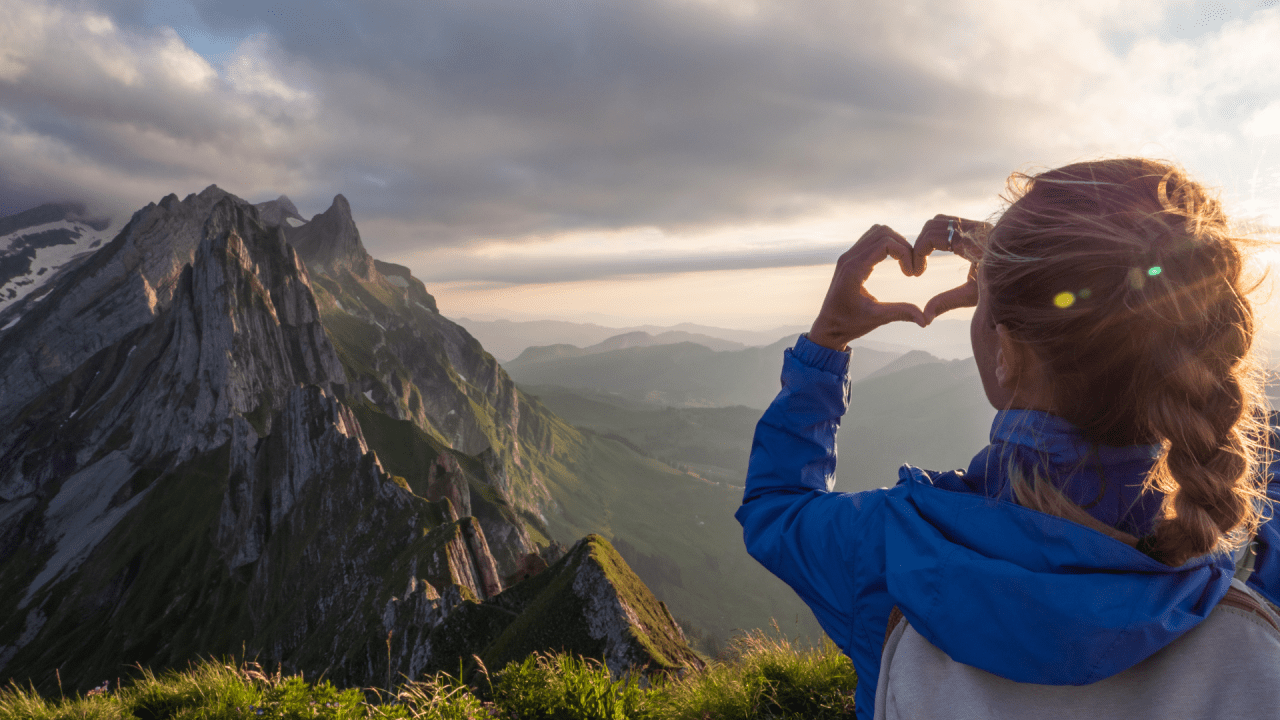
117, 116
457, 121
547, 268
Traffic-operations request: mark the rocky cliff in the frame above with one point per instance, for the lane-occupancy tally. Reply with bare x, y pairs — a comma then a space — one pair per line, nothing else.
588, 602
215, 440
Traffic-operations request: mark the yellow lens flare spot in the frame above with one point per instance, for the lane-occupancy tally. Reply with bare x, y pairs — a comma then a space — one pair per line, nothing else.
1064, 299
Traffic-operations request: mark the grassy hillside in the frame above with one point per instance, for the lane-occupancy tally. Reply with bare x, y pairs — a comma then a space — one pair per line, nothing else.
761, 676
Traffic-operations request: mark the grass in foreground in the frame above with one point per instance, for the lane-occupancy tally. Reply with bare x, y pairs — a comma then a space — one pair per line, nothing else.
761, 676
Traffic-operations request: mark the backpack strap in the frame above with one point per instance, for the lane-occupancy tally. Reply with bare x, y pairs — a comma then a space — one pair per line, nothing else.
1245, 600
895, 617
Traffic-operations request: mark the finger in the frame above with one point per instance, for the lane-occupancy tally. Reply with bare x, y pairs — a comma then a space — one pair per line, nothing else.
936, 234
877, 243
963, 296
900, 312
898, 247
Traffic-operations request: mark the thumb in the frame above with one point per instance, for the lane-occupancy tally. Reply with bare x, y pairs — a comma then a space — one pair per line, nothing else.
964, 296
901, 312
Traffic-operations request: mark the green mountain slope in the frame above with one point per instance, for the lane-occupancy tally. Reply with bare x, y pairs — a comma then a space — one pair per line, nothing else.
932, 414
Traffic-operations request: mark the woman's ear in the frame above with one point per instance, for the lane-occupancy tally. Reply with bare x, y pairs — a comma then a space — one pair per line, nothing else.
1008, 358
1021, 372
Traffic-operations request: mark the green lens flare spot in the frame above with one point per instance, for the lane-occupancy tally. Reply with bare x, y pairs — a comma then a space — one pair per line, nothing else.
1064, 299
1154, 270
1085, 293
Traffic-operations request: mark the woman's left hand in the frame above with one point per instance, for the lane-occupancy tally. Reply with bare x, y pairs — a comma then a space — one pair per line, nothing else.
849, 311
965, 238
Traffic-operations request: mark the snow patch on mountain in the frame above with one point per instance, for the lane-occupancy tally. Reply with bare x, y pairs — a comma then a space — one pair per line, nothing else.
33, 251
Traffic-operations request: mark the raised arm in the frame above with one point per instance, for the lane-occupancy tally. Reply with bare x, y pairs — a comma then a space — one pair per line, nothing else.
792, 522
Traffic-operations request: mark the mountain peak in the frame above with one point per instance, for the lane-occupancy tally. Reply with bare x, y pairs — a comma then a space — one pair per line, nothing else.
279, 212
332, 241
284, 202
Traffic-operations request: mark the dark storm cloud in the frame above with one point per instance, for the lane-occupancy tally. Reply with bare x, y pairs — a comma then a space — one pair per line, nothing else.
502, 118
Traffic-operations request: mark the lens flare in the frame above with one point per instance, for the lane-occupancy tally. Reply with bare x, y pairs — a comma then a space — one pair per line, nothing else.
1064, 299
1154, 271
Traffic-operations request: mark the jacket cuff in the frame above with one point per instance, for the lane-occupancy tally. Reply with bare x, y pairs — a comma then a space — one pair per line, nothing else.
821, 358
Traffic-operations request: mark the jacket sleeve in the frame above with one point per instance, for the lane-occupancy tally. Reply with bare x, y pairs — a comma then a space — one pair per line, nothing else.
1266, 572
792, 523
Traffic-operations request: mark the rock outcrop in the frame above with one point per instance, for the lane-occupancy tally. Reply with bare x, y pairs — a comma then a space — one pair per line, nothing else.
280, 211
588, 602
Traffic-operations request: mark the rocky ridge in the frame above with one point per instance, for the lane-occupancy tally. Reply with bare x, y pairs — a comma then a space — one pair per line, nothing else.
213, 440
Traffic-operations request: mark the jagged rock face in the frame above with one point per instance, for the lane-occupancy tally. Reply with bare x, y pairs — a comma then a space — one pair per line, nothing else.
587, 602
102, 298
210, 444
279, 212
416, 365
413, 364
206, 437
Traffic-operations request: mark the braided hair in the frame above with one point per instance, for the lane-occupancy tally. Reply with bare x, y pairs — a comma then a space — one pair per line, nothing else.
1125, 279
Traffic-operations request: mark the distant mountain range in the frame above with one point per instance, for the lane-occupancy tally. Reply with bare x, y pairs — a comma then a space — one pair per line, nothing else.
946, 338
683, 374
507, 339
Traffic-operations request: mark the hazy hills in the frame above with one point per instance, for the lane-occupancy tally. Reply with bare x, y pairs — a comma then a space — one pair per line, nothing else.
946, 338
506, 339
680, 375
905, 408
915, 409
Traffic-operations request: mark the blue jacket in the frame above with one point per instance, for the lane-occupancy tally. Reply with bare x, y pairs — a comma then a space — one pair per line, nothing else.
1025, 595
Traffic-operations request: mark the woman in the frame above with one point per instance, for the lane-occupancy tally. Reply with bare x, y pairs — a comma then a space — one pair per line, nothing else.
1113, 334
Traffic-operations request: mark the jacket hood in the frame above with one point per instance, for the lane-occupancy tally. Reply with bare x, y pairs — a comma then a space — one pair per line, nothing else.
1033, 597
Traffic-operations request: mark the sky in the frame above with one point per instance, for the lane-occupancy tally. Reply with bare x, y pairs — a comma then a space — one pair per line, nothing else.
630, 161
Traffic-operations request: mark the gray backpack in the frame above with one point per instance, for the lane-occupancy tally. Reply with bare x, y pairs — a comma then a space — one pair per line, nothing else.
1228, 666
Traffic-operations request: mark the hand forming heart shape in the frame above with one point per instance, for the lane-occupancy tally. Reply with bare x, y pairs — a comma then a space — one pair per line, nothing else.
849, 311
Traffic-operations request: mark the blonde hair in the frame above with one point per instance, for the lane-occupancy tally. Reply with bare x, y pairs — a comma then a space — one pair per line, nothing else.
1124, 278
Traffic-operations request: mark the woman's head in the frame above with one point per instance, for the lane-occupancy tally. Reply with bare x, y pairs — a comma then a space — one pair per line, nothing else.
1124, 280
